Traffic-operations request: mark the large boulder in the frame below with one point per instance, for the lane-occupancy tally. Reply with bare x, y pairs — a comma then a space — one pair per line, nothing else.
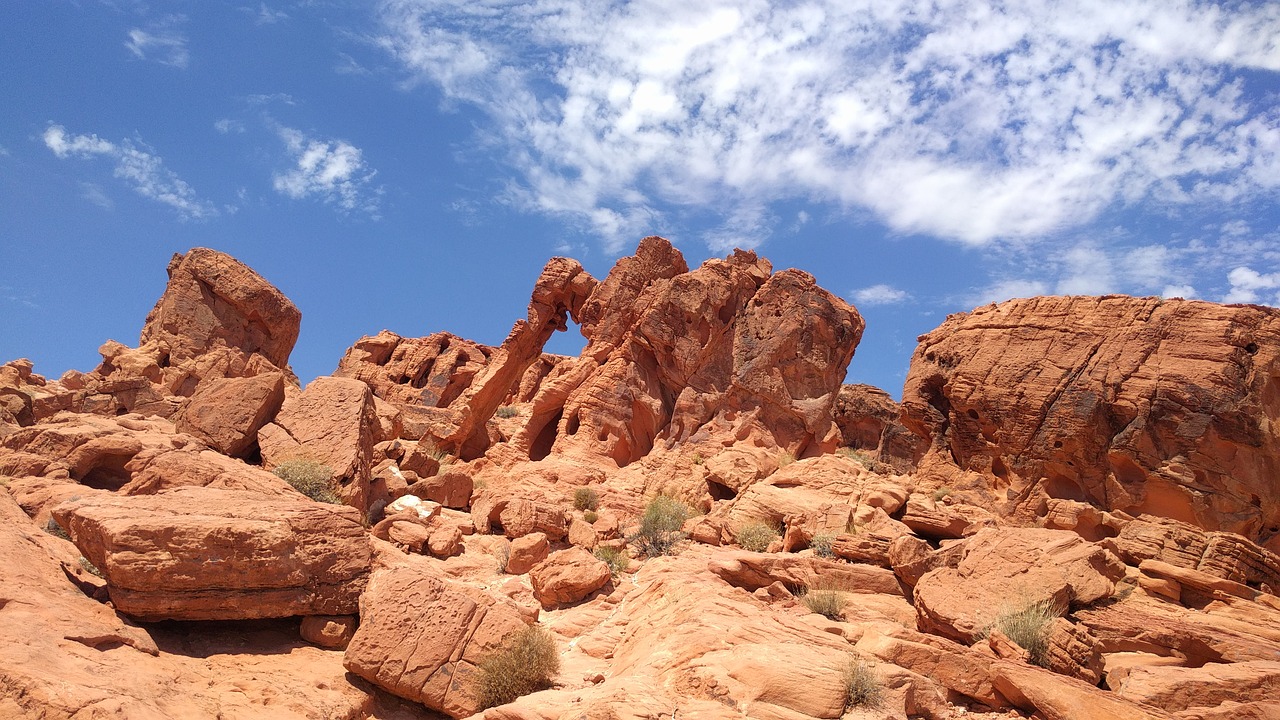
1143, 405
332, 421
197, 553
1007, 569
567, 576
422, 638
228, 412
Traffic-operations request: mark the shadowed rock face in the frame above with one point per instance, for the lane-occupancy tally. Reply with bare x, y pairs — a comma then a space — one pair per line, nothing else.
1136, 404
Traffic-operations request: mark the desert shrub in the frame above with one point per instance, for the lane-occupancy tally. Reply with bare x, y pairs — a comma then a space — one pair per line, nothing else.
756, 536
660, 526
785, 459
436, 453
506, 411
90, 567
53, 528
822, 545
1028, 624
698, 459
525, 664
590, 516
941, 493
861, 686
586, 498
825, 602
615, 558
310, 477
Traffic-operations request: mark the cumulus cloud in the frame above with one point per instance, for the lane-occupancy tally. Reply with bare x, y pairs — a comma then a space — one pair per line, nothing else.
163, 42
971, 121
879, 295
1247, 285
136, 165
1008, 290
331, 170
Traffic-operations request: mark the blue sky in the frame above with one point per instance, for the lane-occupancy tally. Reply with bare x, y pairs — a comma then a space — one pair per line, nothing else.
411, 164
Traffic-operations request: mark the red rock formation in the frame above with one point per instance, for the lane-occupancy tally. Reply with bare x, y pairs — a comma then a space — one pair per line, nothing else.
216, 319
227, 413
567, 576
1137, 404
422, 639
870, 420
203, 554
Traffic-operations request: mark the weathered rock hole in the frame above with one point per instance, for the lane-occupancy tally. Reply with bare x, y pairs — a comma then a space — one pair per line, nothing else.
110, 475
999, 469
163, 361
571, 427
1251, 348
545, 438
720, 491
973, 414
1057, 444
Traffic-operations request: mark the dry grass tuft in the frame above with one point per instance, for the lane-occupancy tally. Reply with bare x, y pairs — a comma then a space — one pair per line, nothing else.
527, 663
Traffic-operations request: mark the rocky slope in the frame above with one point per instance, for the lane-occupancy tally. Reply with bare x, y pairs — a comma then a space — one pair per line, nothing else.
1069, 516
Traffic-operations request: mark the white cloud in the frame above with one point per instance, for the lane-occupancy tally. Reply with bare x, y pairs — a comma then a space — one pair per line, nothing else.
1247, 284
142, 170
264, 15
879, 295
1088, 272
227, 125
1186, 292
4, 151
163, 42
957, 119
1008, 290
332, 170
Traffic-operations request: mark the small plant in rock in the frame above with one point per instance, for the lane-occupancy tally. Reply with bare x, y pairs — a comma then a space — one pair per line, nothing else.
941, 493
437, 454
615, 558
90, 567
590, 516
756, 536
310, 477
506, 411
785, 459
698, 459
861, 686
660, 526
525, 664
823, 545
826, 602
53, 528
865, 458
586, 498
1028, 624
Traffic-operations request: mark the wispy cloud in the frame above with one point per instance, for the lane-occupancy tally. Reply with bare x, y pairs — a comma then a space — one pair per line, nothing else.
879, 295
227, 125
163, 42
264, 15
962, 120
137, 166
332, 170
93, 193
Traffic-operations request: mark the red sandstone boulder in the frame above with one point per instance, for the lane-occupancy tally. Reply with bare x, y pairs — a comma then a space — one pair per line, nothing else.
1135, 404
204, 554
227, 413
870, 420
334, 421
328, 631
422, 639
567, 576
1008, 568
527, 551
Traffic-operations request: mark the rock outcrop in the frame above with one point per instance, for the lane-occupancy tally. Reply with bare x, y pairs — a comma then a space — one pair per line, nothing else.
870, 420
1143, 405
204, 554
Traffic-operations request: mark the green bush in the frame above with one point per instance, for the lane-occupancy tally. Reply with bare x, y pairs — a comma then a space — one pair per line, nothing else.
823, 545
827, 603
506, 411
525, 664
756, 536
660, 526
586, 498
615, 558
309, 477
1028, 625
861, 686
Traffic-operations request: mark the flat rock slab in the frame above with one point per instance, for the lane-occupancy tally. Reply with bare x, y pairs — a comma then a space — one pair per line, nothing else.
199, 553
